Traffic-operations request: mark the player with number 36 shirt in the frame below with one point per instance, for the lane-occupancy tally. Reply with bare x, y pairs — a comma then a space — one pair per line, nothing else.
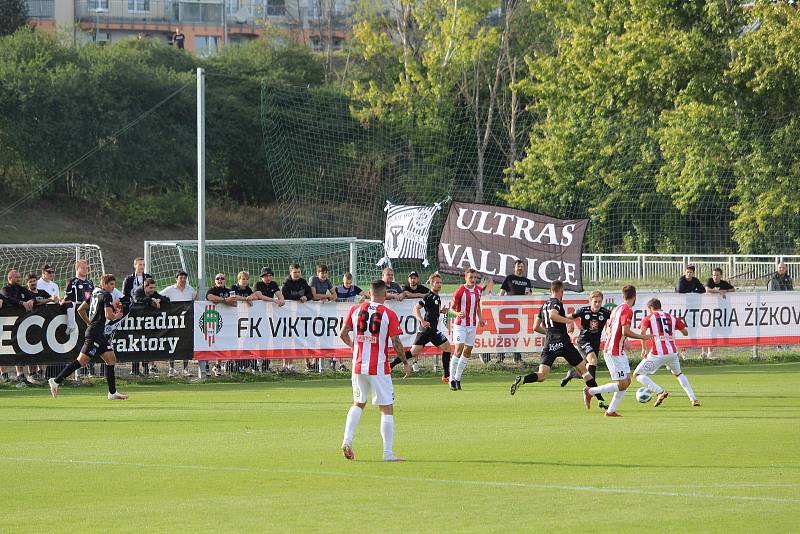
373, 325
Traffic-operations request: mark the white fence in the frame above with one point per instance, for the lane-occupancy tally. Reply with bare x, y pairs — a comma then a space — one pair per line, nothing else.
740, 269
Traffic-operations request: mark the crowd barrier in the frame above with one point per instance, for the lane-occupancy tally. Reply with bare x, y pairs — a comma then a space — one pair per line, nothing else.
206, 331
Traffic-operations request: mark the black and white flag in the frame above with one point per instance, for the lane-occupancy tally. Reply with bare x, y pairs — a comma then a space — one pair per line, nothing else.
407, 229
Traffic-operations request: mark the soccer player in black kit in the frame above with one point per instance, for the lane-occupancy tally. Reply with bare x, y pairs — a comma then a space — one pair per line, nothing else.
593, 320
100, 311
557, 344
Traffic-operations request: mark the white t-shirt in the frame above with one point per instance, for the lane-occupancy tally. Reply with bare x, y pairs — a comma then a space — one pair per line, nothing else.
50, 287
174, 294
116, 294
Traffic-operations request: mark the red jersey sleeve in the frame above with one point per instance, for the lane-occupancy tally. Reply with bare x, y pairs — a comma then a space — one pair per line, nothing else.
626, 317
679, 324
348, 321
456, 302
394, 323
644, 321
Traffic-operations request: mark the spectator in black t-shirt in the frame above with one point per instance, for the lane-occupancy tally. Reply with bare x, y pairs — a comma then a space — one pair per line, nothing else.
178, 38
130, 285
689, 283
295, 286
348, 291
413, 288
16, 295
393, 289
219, 293
146, 296
267, 289
516, 284
242, 290
40, 296
716, 284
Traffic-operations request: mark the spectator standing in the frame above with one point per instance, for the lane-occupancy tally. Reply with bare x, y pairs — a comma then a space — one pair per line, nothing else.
130, 285
516, 284
17, 296
220, 294
243, 293
296, 288
146, 296
393, 289
716, 284
180, 291
413, 289
688, 283
321, 286
178, 39
46, 282
348, 291
267, 290
780, 281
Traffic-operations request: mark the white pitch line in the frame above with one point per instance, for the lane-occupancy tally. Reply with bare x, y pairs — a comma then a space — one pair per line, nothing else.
454, 482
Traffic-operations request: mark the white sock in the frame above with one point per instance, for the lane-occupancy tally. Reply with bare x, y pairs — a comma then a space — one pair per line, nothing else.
618, 396
71, 325
687, 387
462, 363
453, 365
387, 433
353, 417
611, 387
647, 381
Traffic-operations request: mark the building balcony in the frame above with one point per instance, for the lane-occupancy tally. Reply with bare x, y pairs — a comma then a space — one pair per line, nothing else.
41, 9
242, 13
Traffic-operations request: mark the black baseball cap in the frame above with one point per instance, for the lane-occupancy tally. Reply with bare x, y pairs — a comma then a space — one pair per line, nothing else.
179, 273
413, 274
48, 268
266, 270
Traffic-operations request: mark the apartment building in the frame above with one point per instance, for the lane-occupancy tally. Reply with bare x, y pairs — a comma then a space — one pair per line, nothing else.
206, 24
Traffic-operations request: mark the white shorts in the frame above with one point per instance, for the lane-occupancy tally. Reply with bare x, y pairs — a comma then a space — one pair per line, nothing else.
464, 335
653, 363
381, 386
618, 367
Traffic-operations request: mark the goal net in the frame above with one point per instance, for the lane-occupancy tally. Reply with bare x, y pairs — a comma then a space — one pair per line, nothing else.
29, 258
341, 255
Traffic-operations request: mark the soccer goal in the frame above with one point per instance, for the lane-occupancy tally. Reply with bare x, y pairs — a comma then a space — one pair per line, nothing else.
347, 254
31, 257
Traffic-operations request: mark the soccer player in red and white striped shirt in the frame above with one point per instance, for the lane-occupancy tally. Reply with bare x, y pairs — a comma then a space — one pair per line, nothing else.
664, 351
618, 329
374, 325
466, 306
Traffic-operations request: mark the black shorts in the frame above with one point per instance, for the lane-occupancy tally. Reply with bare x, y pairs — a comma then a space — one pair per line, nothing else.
434, 337
560, 349
587, 347
94, 346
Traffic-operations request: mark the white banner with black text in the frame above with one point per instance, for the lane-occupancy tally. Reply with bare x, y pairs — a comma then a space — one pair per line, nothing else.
309, 330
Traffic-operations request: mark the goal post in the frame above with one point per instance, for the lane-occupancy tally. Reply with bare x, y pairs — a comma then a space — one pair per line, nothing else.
30, 257
163, 259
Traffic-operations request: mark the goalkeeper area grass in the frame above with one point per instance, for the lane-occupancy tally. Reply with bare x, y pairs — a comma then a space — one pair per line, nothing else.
266, 457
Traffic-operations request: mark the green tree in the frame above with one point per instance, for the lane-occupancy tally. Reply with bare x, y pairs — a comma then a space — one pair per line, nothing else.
13, 15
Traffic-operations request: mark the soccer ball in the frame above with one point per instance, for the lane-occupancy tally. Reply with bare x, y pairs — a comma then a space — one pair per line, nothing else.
644, 395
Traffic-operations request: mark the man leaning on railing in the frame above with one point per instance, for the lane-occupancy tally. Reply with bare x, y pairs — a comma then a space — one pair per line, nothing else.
780, 281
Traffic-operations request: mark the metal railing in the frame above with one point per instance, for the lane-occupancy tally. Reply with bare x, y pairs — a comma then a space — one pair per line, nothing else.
241, 13
742, 269
41, 9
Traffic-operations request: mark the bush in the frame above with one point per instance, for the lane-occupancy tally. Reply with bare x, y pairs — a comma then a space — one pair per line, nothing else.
172, 208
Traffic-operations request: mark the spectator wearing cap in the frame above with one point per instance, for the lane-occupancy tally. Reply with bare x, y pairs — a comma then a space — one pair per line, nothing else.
321, 286
780, 281
180, 291
348, 291
413, 288
267, 289
393, 289
688, 283
46, 283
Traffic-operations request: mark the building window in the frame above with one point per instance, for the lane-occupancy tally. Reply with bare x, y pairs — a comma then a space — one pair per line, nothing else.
139, 5
98, 5
233, 6
276, 8
206, 45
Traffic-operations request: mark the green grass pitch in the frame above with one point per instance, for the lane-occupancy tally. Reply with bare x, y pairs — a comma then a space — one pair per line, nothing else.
264, 457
